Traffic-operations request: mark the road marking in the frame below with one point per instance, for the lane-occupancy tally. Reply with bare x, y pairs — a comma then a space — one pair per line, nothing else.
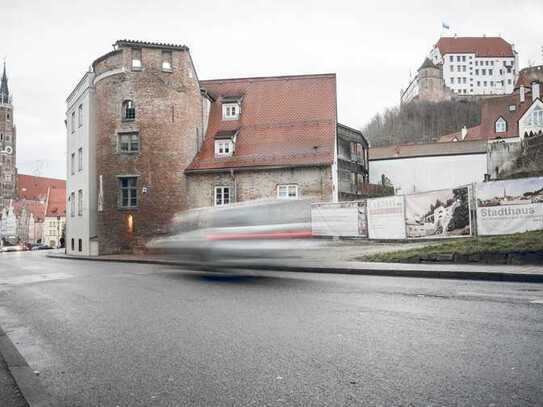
536, 302
33, 278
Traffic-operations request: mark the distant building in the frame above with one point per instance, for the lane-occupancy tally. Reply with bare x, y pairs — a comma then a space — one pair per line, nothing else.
507, 122
155, 140
8, 143
22, 218
81, 174
467, 66
55, 217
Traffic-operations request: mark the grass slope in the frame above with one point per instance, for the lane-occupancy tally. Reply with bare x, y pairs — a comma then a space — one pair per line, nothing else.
517, 243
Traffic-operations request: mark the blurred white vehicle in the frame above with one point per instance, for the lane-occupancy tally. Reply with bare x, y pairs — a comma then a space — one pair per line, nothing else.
217, 236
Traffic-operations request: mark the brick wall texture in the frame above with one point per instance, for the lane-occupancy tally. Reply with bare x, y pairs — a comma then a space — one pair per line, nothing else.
168, 116
314, 183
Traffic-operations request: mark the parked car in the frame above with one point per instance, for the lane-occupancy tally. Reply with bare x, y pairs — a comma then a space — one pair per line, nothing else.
14, 248
41, 247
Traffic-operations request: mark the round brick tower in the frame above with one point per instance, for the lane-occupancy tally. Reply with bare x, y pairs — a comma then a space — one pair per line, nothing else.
148, 121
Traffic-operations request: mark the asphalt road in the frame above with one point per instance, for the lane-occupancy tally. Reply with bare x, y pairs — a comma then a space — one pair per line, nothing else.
106, 334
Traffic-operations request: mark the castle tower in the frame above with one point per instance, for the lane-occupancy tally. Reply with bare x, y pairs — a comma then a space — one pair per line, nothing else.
8, 172
430, 82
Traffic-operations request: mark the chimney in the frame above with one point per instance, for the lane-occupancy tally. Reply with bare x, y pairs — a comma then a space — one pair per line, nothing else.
522, 96
535, 90
464, 132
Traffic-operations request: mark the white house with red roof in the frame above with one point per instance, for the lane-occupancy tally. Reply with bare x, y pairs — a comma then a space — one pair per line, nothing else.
465, 66
476, 65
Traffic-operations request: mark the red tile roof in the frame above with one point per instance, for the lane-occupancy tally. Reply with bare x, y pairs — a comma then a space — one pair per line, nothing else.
35, 188
37, 208
509, 107
473, 133
284, 121
480, 46
56, 202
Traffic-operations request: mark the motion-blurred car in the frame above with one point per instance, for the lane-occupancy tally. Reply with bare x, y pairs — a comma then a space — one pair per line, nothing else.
217, 237
14, 248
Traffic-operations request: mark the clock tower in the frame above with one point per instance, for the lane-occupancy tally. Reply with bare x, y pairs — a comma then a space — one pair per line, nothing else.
8, 172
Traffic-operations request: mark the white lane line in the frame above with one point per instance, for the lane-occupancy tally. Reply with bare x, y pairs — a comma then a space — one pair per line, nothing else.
536, 302
33, 278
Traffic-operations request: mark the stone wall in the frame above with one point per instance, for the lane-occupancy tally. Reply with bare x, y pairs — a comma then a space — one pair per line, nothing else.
168, 118
314, 183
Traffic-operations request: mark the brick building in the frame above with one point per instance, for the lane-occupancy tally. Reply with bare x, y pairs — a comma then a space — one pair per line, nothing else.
167, 142
8, 149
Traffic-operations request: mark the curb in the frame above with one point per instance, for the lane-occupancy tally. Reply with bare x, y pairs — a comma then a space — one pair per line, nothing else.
26, 380
402, 270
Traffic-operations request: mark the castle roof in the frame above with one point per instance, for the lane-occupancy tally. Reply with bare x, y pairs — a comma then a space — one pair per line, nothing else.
428, 64
146, 44
480, 46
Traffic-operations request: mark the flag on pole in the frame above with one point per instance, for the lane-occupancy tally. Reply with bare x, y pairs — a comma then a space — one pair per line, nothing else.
445, 25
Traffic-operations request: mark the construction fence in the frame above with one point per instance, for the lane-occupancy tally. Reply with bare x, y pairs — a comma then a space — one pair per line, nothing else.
488, 208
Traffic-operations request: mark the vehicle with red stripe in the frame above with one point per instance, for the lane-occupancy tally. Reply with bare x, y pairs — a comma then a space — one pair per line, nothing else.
216, 236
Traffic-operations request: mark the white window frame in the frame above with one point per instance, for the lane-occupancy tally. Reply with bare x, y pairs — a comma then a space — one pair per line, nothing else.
224, 148
166, 64
231, 111
219, 195
288, 191
72, 164
501, 125
137, 63
80, 202
80, 115
80, 159
72, 204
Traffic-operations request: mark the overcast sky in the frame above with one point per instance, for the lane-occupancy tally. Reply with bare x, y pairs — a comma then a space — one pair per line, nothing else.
371, 46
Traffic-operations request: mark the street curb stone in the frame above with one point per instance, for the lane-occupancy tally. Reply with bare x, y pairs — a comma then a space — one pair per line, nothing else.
402, 270
26, 380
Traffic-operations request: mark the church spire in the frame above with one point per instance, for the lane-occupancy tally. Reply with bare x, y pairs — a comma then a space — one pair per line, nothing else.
4, 90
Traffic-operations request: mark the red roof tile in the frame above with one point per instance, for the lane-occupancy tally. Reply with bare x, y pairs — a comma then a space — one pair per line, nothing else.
56, 202
427, 150
509, 107
35, 188
284, 121
480, 46
37, 208
473, 133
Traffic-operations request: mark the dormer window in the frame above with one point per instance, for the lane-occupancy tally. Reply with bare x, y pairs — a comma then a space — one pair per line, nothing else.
224, 148
167, 61
129, 110
136, 59
501, 125
230, 111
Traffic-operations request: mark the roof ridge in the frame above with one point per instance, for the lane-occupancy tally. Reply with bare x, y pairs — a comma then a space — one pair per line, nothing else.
275, 77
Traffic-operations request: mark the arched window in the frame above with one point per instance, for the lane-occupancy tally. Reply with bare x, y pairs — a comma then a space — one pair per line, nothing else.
501, 125
129, 110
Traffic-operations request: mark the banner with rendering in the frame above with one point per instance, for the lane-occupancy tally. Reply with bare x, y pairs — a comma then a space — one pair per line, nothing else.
346, 219
511, 206
386, 218
438, 214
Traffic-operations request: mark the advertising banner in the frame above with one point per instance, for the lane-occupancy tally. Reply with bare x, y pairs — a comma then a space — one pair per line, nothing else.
386, 218
436, 214
339, 219
511, 206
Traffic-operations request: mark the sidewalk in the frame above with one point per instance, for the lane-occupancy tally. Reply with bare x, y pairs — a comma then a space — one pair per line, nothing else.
9, 392
530, 274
